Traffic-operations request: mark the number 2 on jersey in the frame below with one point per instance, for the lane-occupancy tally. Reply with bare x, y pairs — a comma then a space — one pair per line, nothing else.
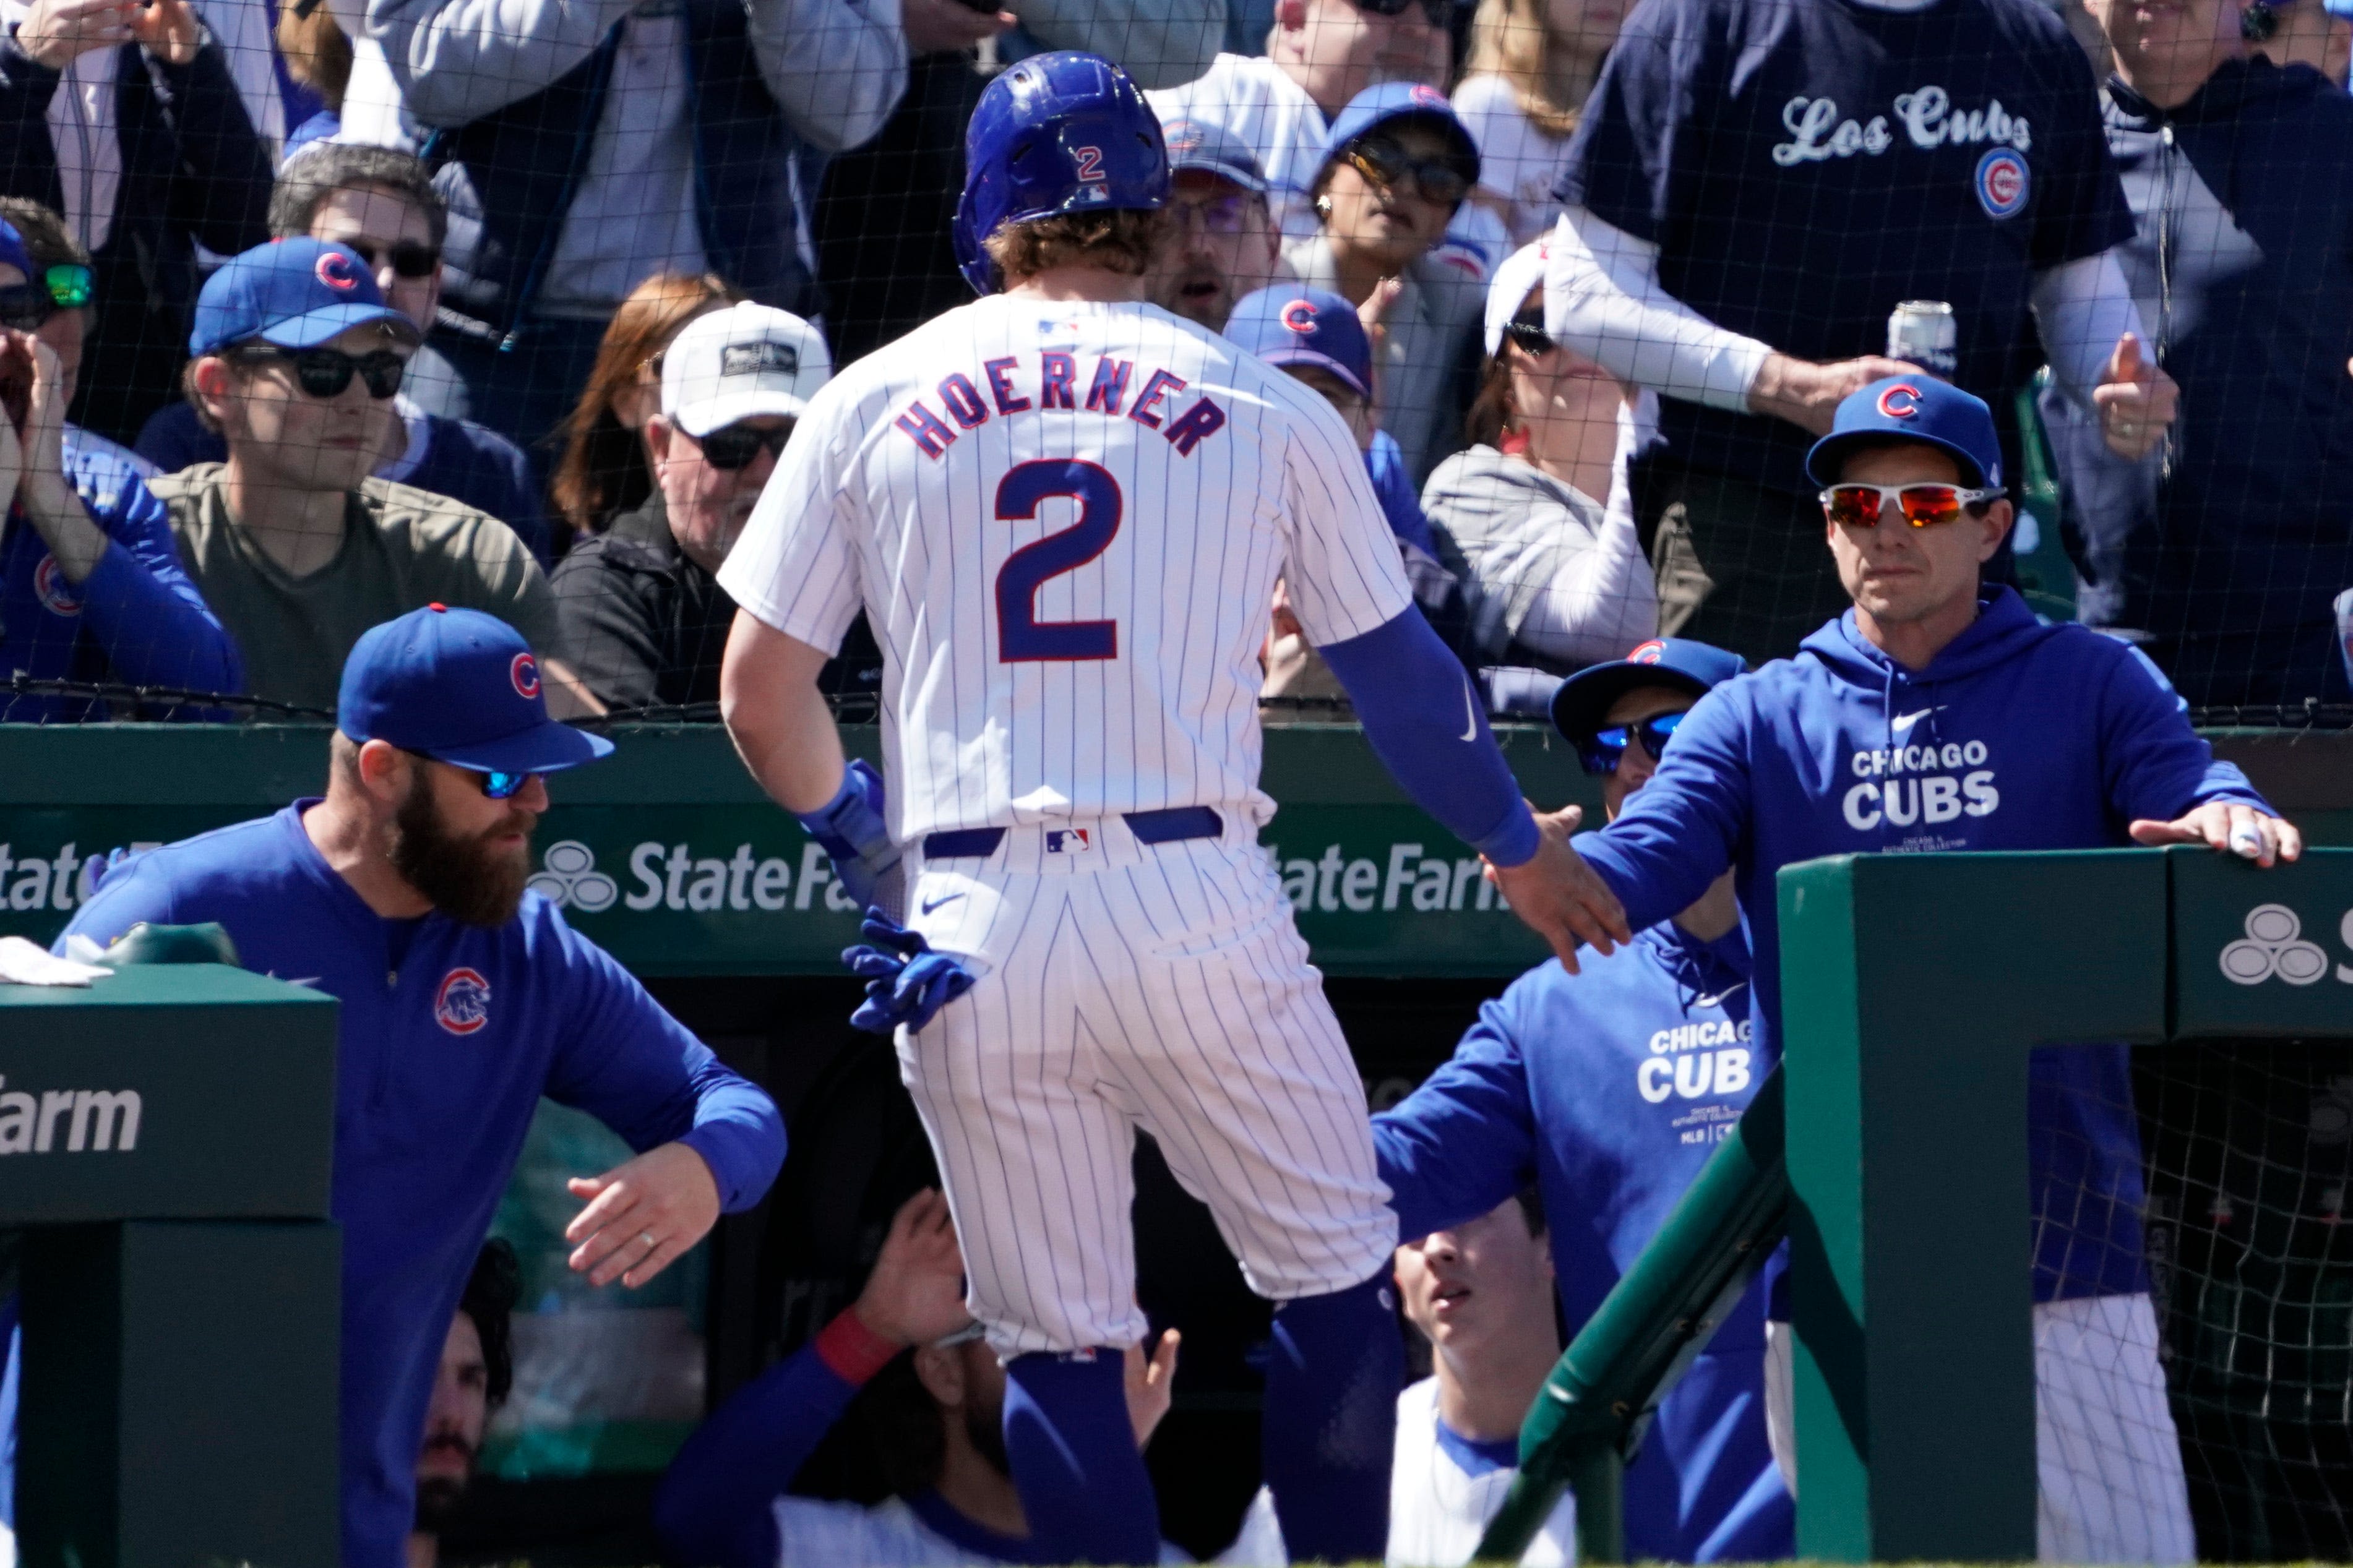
1021, 636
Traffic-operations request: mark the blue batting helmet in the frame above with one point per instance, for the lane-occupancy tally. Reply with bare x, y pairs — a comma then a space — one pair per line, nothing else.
1061, 133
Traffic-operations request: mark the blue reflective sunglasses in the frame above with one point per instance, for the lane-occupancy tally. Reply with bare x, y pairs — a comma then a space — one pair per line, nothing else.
496, 786
1601, 753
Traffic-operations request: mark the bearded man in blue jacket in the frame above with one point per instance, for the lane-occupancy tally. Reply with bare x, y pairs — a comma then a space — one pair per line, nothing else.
1938, 715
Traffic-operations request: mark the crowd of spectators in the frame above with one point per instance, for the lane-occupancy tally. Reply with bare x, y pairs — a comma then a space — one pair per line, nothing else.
1683, 245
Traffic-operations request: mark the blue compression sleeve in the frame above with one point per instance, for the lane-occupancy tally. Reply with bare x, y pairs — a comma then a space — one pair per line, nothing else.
1411, 694
714, 1505
1329, 1421
1082, 1483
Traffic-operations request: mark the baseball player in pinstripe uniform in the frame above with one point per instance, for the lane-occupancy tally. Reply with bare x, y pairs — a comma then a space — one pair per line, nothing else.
1064, 510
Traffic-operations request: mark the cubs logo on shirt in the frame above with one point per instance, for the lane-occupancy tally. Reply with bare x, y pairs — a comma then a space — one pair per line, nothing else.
49, 586
2002, 182
524, 673
462, 1005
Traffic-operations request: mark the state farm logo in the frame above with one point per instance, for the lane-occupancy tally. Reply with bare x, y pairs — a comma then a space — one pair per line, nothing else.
2274, 945
569, 878
95, 1121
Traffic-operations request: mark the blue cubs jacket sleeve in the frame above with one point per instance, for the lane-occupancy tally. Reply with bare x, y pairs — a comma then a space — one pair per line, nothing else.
1683, 828
1466, 1139
715, 1502
1410, 693
635, 1068
2157, 765
140, 605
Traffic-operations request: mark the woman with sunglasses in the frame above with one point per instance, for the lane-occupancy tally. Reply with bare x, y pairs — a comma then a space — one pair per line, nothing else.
1536, 507
1398, 167
91, 588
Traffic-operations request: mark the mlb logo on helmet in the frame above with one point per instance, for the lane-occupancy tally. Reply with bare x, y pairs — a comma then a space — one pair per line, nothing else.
1901, 401
49, 586
1299, 315
462, 1005
524, 672
337, 270
2002, 182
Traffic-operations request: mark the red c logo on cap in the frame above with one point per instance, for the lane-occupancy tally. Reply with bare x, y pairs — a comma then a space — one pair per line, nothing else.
1299, 315
337, 271
524, 673
1647, 653
1901, 401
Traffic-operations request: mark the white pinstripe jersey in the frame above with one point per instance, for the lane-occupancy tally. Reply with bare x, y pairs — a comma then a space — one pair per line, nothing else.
1065, 521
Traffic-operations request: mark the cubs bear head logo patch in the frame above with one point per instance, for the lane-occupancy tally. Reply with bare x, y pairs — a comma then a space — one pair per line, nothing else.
462, 1005
49, 586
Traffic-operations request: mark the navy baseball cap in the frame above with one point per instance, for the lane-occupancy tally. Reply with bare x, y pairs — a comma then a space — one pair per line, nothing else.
295, 293
1677, 663
1377, 106
1305, 326
1913, 408
1208, 148
460, 687
14, 254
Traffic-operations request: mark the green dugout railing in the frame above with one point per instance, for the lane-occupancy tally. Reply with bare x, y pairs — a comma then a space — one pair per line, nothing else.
1914, 987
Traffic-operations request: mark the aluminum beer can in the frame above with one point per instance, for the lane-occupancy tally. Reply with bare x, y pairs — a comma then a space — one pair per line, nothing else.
1922, 332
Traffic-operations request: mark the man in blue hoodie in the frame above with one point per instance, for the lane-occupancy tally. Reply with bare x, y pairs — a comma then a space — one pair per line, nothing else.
464, 998
1609, 1089
1936, 716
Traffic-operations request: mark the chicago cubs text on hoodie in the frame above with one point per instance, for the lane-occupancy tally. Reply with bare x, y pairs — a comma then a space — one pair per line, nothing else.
2017, 736
1609, 1089
447, 1037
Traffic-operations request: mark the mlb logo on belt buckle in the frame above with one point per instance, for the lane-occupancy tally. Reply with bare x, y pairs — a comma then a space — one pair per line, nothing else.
1066, 841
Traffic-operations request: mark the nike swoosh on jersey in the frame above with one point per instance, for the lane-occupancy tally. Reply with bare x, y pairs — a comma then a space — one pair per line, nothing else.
1718, 1000
930, 904
1470, 715
295, 980
1902, 725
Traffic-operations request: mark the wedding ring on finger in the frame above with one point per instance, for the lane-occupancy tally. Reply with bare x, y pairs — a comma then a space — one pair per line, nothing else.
648, 1238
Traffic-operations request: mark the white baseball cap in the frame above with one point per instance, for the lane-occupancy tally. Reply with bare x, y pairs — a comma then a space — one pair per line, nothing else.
739, 363
1522, 270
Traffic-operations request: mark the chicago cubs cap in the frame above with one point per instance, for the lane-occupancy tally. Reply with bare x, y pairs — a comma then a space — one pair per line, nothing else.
1206, 147
1677, 663
1305, 326
1377, 106
1521, 272
461, 686
1911, 409
741, 362
295, 293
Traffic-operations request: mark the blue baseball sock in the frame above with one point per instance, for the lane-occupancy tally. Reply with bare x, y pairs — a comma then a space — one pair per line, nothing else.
1075, 1463
1330, 1422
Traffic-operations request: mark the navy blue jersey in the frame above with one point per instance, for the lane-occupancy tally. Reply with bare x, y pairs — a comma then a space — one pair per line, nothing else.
2017, 736
2243, 271
1805, 165
136, 618
1609, 1089
442, 1057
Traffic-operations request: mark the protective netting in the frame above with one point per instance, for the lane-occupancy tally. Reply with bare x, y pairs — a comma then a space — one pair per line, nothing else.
2249, 1153
1576, 448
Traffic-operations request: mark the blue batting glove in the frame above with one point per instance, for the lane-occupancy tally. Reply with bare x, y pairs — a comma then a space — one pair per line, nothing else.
906, 981
852, 828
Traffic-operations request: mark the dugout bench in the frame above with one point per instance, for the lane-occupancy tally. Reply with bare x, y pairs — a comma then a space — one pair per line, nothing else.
166, 1137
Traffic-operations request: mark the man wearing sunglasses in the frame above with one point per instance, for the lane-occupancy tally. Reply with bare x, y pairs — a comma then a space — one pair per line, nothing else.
380, 203
91, 588
1611, 1088
293, 539
464, 998
641, 616
1935, 715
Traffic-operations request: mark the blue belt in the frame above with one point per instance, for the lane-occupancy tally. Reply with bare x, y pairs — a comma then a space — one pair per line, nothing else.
1171, 827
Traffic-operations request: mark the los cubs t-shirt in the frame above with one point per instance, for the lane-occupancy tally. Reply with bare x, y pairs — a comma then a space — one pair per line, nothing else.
1805, 165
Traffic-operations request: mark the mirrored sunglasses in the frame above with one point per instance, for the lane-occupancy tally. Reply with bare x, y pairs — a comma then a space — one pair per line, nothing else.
1922, 505
1606, 749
